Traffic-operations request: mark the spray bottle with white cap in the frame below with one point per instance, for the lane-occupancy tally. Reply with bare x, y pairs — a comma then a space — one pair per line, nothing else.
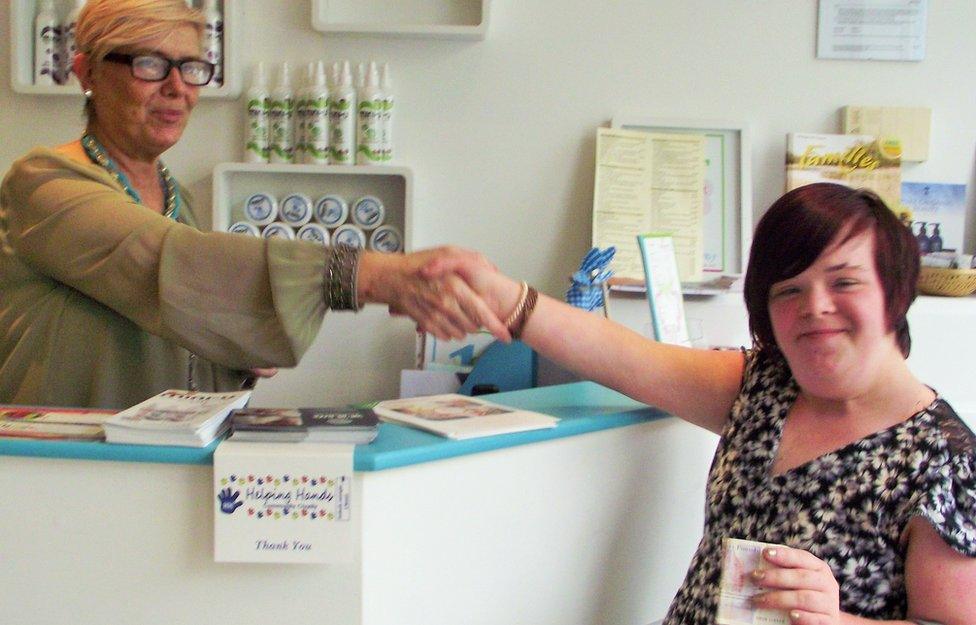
256, 148
317, 122
386, 88
342, 119
301, 113
361, 77
283, 119
369, 135
335, 74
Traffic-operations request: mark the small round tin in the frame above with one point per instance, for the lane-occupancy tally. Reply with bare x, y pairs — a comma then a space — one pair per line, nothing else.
331, 211
349, 234
296, 210
278, 230
368, 212
244, 227
314, 233
261, 208
386, 239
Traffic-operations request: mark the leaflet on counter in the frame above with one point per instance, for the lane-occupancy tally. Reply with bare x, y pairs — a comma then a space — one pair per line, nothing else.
460, 417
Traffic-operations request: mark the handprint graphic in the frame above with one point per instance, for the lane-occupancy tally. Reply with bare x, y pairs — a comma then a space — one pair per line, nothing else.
228, 500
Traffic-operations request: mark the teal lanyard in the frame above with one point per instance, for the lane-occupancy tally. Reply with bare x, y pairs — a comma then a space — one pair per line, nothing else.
100, 157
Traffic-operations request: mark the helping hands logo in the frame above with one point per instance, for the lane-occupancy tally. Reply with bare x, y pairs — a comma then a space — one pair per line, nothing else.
228, 500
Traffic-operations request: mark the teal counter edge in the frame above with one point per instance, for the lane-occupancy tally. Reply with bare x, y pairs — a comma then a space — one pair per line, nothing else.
78, 450
582, 407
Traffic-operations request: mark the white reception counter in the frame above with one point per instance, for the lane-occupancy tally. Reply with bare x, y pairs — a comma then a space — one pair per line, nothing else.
593, 522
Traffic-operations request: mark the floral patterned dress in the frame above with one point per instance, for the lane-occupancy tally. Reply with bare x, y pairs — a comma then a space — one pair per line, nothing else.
849, 507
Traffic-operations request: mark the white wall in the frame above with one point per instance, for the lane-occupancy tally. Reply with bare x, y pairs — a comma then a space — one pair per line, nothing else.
500, 133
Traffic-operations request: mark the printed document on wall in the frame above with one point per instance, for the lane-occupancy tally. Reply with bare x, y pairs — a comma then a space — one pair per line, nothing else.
649, 182
878, 30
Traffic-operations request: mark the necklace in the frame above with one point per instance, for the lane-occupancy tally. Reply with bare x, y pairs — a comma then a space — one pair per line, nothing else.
97, 154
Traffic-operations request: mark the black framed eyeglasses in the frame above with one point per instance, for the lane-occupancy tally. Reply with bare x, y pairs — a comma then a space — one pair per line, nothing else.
155, 68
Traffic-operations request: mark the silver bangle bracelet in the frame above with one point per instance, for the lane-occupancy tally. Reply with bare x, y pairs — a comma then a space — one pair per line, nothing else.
341, 273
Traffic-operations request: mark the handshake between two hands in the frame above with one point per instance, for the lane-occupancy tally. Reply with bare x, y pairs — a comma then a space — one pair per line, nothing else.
448, 291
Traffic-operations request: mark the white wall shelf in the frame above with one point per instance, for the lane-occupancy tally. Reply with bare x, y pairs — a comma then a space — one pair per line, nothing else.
22, 51
354, 357
234, 182
443, 19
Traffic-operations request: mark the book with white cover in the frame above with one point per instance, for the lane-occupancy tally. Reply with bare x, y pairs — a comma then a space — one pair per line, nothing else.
44, 430
175, 417
53, 423
52, 414
460, 417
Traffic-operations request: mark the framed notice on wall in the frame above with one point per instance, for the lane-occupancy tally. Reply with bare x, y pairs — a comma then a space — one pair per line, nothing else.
872, 30
727, 188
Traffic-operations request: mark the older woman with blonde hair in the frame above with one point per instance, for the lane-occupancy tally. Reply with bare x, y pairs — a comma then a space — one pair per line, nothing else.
108, 292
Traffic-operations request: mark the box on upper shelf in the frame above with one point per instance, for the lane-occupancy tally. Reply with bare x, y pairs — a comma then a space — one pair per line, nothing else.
233, 183
910, 125
445, 19
22, 13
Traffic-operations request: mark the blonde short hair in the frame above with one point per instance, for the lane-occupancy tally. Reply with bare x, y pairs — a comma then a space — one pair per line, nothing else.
107, 25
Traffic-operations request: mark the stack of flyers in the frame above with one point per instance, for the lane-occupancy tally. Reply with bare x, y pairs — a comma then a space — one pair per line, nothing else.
739, 559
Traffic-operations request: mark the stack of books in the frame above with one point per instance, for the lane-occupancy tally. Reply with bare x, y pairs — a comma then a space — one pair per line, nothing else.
49, 423
356, 426
175, 417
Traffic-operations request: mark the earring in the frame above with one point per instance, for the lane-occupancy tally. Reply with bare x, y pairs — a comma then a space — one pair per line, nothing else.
89, 93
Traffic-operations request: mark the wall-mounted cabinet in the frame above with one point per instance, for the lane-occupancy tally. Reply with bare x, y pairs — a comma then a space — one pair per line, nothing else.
445, 19
354, 357
233, 183
22, 13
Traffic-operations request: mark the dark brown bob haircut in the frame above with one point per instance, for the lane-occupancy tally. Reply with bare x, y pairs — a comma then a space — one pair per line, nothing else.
800, 225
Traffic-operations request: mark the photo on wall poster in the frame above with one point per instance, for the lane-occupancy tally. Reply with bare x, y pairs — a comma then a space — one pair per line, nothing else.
938, 214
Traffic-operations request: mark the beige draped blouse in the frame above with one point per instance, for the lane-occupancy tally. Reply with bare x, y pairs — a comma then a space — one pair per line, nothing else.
102, 300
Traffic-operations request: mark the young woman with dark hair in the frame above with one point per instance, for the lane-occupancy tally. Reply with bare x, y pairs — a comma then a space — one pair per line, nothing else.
829, 444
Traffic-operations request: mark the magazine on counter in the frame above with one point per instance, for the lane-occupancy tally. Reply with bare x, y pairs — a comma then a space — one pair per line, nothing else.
53, 423
461, 417
43, 430
175, 417
357, 426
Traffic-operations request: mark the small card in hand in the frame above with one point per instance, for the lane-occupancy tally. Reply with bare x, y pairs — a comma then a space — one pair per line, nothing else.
739, 559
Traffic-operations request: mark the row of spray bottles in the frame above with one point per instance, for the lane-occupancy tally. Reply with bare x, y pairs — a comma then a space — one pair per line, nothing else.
323, 122
54, 42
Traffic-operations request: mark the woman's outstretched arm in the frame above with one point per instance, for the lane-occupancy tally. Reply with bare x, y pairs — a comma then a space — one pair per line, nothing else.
696, 385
